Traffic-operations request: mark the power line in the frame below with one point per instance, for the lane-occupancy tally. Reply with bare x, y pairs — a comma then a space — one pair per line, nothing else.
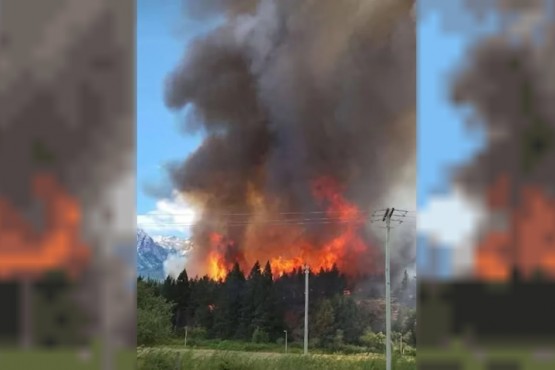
299, 218
251, 214
276, 222
325, 214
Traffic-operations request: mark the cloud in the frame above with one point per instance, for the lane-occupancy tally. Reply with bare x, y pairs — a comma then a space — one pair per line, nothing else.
172, 216
450, 220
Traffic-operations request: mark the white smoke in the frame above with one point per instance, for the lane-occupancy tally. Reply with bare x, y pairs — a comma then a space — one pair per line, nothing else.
174, 265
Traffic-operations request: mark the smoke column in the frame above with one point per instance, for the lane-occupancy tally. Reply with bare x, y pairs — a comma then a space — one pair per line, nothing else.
289, 92
510, 83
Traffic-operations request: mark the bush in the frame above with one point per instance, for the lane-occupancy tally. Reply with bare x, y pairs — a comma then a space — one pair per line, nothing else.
338, 339
260, 336
194, 334
198, 333
374, 341
158, 360
349, 349
153, 316
409, 350
152, 328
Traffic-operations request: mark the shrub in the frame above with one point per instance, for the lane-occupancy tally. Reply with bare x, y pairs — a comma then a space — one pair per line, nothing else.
409, 350
338, 339
152, 328
158, 360
153, 316
260, 336
374, 341
349, 349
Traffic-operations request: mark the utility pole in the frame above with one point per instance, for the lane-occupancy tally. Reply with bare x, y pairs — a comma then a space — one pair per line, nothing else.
306, 272
387, 218
285, 331
26, 313
106, 312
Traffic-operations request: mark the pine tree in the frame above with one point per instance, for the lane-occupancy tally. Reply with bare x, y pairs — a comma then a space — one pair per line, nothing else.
273, 324
253, 284
168, 290
182, 293
348, 318
201, 301
262, 302
228, 309
323, 323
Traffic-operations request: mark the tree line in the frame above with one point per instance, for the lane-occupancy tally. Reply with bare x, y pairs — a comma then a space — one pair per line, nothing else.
258, 308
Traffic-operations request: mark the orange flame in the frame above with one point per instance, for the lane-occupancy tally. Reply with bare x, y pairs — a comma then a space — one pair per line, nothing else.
289, 248
335, 251
531, 232
26, 253
217, 266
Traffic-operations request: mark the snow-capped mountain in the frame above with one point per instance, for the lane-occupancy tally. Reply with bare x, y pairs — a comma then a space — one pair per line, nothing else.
173, 243
152, 254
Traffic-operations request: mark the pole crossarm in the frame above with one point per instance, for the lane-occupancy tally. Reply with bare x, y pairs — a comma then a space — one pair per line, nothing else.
393, 216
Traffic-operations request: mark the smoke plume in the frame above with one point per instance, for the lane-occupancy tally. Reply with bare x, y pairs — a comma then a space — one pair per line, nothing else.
509, 83
306, 106
173, 265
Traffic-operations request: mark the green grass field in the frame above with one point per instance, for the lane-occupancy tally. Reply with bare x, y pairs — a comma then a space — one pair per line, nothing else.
168, 358
234, 345
293, 347
60, 359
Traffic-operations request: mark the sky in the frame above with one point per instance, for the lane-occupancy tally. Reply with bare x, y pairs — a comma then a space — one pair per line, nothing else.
445, 219
163, 32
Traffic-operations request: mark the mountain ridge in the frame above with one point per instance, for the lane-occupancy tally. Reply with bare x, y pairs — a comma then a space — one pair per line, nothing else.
153, 251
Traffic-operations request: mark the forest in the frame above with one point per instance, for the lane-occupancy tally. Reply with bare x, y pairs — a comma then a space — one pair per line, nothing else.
345, 314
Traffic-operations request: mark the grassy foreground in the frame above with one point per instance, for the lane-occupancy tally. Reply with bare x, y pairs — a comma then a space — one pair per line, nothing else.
171, 359
293, 347
61, 359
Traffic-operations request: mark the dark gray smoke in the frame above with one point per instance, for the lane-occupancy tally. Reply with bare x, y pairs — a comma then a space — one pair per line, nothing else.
510, 84
66, 103
289, 91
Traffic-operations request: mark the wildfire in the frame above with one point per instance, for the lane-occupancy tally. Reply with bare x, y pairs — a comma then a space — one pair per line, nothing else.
217, 265
222, 256
335, 251
282, 266
24, 252
529, 241
289, 247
